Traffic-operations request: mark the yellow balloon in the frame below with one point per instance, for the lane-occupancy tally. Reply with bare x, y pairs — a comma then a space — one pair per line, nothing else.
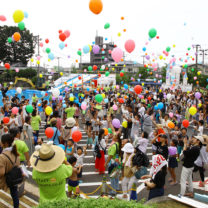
31, 60
160, 57
164, 58
174, 46
103, 95
113, 69
188, 92
187, 78
90, 47
18, 16
40, 75
125, 124
199, 105
198, 73
48, 110
49, 60
61, 73
71, 99
38, 62
142, 84
119, 34
124, 65
160, 90
192, 110
116, 64
118, 94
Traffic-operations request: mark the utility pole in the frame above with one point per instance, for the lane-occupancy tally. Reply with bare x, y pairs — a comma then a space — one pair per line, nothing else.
197, 49
143, 56
203, 54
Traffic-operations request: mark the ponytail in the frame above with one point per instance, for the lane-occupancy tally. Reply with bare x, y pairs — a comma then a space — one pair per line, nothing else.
101, 132
14, 150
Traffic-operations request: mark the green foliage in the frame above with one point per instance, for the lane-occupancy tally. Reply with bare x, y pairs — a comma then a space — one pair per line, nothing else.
93, 203
16, 52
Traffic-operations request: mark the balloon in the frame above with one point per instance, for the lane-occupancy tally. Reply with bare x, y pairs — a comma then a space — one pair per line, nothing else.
17, 70
6, 120
126, 86
94, 67
110, 131
61, 45
2, 18
15, 110
79, 53
96, 49
25, 14
48, 110
89, 68
99, 98
192, 110
105, 131
62, 37
107, 25
19, 90
51, 56
103, 95
7, 65
48, 50
9, 40
49, 132
83, 106
185, 123
137, 89
155, 107
117, 54
171, 115
125, 124
55, 92
107, 74
71, 99
29, 108
18, 16
47, 41
86, 49
96, 6
171, 125
129, 45
121, 100
160, 105
169, 96
116, 123
21, 25
144, 49
115, 107
168, 49
76, 136
121, 74
152, 33
197, 95
67, 33
16, 36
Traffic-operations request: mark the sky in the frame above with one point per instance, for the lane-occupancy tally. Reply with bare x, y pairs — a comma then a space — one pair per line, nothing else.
182, 23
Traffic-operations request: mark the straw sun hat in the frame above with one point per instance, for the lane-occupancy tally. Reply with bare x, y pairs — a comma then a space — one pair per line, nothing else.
47, 157
70, 122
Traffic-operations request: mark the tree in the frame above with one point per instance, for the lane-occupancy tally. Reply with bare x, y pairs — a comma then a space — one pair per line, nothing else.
16, 52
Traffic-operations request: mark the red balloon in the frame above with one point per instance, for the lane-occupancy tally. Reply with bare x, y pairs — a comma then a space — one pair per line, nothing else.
121, 100
60, 31
46, 40
106, 68
75, 85
129, 45
79, 77
185, 123
137, 89
94, 67
6, 120
76, 136
99, 75
62, 37
121, 74
157, 37
49, 132
149, 98
65, 45
46, 94
7, 65
109, 51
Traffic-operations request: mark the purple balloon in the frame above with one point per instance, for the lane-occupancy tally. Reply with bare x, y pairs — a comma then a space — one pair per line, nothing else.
106, 59
165, 96
116, 123
197, 95
96, 49
66, 89
60, 98
147, 57
53, 98
140, 75
140, 96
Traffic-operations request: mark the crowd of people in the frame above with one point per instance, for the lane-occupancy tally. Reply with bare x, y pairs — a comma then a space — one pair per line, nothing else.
119, 127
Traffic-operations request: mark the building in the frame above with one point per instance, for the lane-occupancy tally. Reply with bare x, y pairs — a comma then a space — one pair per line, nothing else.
199, 67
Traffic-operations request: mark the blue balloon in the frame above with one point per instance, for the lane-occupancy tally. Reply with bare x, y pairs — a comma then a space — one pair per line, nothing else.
103, 52
42, 93
160, 105
71, 95
121, 82
138, 80
106, 38
156, 107
126, 86
88, 89
144, 49
25, 14
51, 56
106, 100
62, 146
86, 49
61, 45
93, 42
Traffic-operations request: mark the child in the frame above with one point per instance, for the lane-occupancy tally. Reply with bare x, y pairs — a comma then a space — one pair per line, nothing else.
141, 142
135, 127
80, 156
201, 128
172, 164
89, 140
73, 183
69, 148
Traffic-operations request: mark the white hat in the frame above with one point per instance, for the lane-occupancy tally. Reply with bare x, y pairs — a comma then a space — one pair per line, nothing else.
200, 138
128, 148
70, 122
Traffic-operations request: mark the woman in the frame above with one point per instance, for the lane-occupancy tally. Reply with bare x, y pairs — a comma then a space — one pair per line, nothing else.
57, 138
158, 173
35, 123
100, 161
28, 135
6, 166
77, 113
147, 121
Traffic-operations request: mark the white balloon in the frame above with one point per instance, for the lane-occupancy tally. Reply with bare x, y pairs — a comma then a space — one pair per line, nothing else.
155, 97
50, 77
55, 93
19, 90
103, 67
104, 46
169, 96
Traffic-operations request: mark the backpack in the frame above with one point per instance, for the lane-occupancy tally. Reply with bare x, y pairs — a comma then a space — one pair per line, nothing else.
140, 159
97, 151
14, 176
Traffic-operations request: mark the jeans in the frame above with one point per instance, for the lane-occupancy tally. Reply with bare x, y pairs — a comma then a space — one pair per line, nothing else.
186, 175
155, 192
127, 184
114, 184
14, 195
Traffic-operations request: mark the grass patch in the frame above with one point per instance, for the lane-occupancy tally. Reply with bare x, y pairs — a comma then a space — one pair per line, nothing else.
171, 204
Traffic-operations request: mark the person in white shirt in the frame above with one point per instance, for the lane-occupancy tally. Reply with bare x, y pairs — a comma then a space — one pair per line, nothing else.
141, 142
13, 122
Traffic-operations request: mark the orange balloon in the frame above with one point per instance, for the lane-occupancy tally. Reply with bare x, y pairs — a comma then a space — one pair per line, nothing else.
76, 61
124, 30
122, 60
105, 131
16, 36
145, 54
171, 125
197, 82
65, 83
122, 18
96, 6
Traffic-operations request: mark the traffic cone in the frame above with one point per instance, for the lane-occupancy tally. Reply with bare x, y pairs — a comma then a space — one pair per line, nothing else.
133, 195
103, 191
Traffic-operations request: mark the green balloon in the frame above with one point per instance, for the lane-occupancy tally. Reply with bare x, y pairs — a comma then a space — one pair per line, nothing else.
122, 71
207, 86
189, 49
107, 25
107, 74
168, 49
101, 69
79, 53
21, 25
99, 98
110, 130
152, 33
89, 68
192, 69
29, 108
147, 69
9, 40
103, 57
48, 50
149, 106
185, 66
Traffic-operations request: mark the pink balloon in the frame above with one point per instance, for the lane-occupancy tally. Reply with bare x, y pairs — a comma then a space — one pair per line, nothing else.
15, 110
171, 115
2, 18
115, 107
129, 45
41, 44
38, 58
67, 33
83, 106
117, 54
17, 70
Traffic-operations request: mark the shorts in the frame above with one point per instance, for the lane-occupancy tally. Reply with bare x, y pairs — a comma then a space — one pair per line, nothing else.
89, 141
88, 123
172, 163
72, 185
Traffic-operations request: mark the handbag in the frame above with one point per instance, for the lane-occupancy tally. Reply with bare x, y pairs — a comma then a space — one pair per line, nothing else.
140, 172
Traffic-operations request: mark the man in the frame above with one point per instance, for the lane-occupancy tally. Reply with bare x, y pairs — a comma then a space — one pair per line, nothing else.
191, 153
70, 111
34, 98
